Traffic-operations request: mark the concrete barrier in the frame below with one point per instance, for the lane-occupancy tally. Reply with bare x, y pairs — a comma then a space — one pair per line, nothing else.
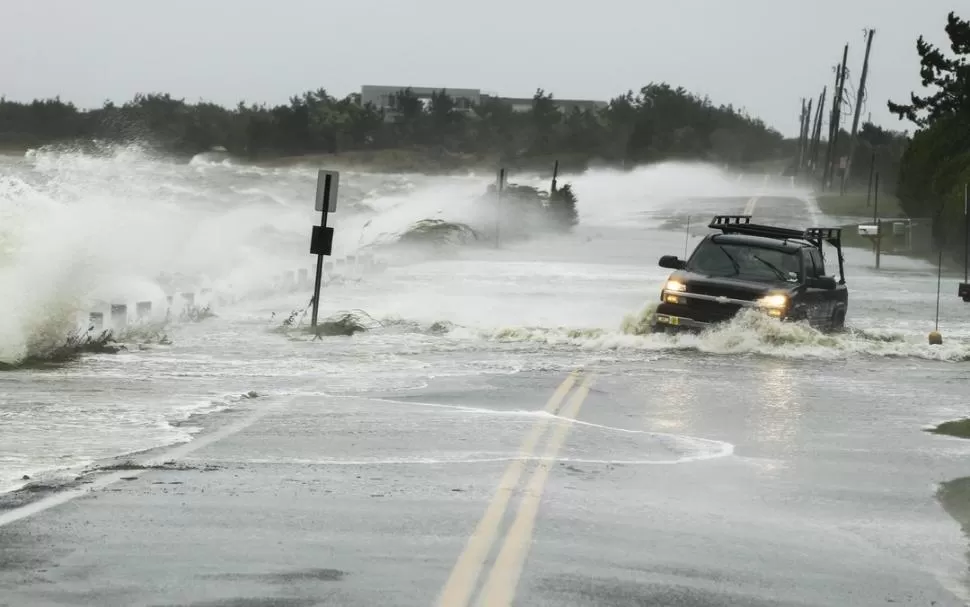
119, 316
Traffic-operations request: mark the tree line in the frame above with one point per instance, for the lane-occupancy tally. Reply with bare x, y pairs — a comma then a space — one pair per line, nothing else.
660, 122
935, 166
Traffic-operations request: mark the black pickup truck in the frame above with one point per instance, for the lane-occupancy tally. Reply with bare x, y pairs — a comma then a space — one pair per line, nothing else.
780, 271
963, 291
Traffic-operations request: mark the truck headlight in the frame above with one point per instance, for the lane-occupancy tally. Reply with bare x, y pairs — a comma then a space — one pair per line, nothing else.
773, 302
670, 290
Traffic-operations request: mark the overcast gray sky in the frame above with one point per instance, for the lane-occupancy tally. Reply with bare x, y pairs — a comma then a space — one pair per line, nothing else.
763, 55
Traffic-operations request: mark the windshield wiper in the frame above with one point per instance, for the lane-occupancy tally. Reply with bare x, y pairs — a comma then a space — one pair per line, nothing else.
779, 273
734, 262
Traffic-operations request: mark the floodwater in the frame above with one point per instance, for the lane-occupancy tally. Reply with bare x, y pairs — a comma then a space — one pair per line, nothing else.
78, 233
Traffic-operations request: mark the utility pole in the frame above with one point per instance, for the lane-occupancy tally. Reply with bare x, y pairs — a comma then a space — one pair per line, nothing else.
807, 126
838, 122
858, 108
817, 134
872, 168
836, 119
876, 220
828, 140
801, 136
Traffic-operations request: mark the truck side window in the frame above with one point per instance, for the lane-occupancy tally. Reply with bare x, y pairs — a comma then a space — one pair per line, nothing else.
818, 261
809, 264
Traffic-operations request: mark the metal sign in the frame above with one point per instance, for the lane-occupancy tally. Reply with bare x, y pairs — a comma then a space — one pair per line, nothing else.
327, 182
321, 241
321, 237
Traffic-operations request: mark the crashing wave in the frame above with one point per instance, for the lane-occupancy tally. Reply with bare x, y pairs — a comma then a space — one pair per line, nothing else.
523, 211
518, 212
440, 232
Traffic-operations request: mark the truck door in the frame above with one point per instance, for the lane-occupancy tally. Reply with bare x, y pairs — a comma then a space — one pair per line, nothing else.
820, 302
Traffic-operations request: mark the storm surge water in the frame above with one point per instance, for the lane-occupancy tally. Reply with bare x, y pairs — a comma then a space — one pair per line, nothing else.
82, 230
78, 229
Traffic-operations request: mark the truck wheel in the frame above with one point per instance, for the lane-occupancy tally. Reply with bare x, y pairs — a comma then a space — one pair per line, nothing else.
838, 320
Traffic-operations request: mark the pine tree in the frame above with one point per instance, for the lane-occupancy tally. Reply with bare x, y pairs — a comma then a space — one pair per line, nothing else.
951, 76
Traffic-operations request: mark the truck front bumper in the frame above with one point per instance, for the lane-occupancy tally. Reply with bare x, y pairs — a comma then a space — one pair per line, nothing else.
684, 316
672, 322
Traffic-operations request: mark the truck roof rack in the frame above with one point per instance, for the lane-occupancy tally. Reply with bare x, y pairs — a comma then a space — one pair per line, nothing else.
741, 224
833, 236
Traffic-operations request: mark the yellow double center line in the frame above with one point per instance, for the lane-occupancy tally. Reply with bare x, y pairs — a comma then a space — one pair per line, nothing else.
499, 588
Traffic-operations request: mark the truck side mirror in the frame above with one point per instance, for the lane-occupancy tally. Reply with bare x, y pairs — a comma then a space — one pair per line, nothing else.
672, 262
822, 282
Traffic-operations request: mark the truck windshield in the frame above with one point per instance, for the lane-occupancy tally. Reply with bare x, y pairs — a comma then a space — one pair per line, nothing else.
745, 261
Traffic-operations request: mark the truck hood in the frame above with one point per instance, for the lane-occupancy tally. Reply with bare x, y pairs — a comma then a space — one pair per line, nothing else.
729, 286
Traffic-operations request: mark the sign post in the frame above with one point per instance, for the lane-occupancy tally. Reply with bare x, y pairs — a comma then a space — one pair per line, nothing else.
963, 291
498, 205
321, 239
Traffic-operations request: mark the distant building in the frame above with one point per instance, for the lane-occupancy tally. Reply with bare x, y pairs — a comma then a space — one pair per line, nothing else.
524, 104
384, 97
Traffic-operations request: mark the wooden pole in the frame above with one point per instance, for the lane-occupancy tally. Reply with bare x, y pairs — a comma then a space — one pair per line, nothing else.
837, 117
817, 137
801, 136
858, 109
872, 168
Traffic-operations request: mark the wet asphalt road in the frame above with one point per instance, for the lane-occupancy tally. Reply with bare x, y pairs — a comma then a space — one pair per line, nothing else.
365, 502
792, 483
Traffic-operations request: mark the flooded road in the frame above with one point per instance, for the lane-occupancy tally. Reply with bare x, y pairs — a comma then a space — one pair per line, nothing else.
503, 433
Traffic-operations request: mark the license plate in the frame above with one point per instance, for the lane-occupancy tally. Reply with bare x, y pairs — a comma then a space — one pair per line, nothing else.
670, 320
